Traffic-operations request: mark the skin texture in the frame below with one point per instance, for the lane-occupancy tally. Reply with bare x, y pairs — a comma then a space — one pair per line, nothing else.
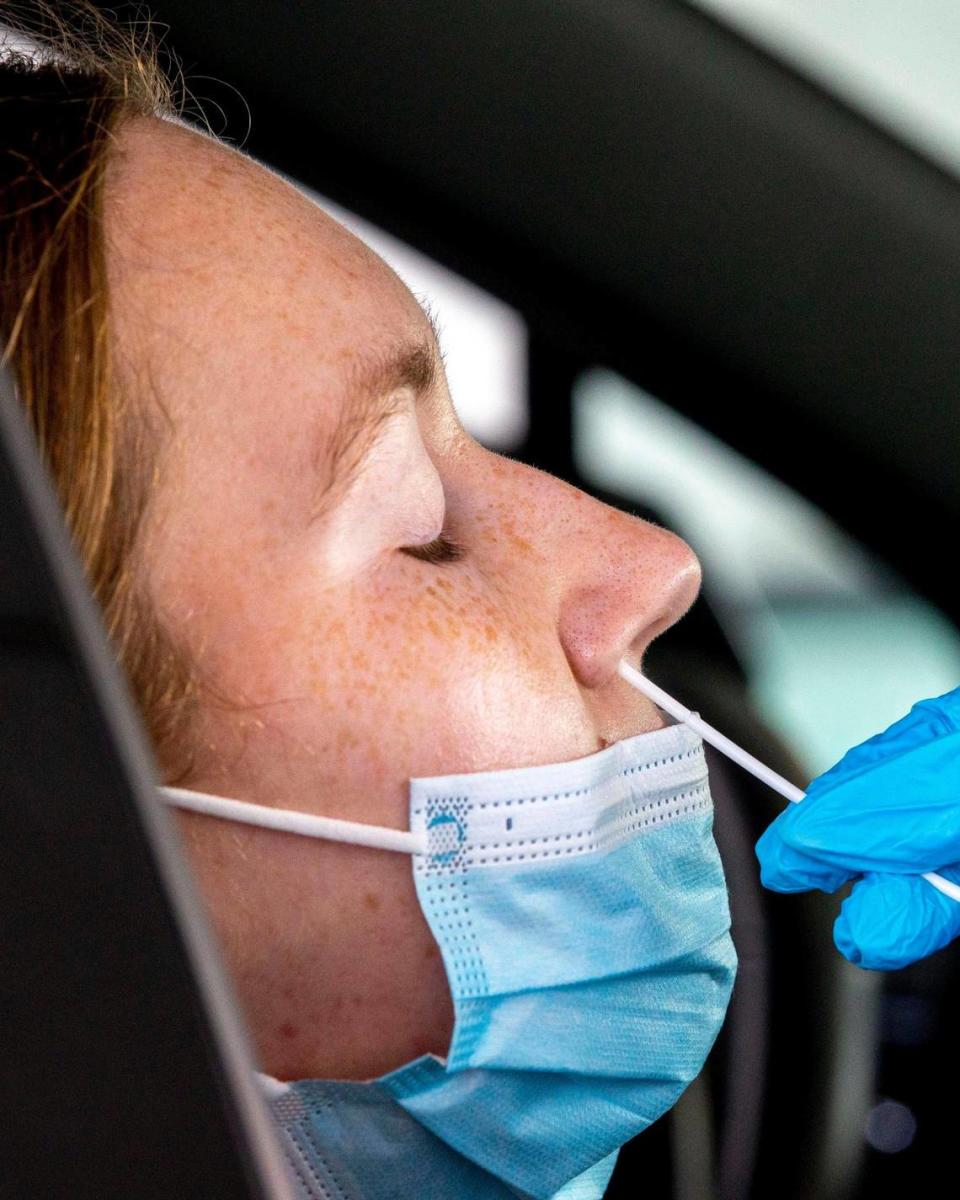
343, 665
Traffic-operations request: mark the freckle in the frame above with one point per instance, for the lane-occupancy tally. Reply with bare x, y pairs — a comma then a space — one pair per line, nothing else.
431, 591
287, 1030
371, 901
434, 628
431, 953
491, 633
453, 627
445, 584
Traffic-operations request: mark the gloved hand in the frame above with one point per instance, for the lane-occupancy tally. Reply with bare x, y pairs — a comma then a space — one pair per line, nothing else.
887, 811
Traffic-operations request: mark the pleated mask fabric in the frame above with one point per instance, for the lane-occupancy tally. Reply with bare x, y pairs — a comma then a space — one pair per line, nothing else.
582, 915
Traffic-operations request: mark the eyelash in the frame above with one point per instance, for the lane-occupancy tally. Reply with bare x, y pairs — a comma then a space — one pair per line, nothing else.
440, 551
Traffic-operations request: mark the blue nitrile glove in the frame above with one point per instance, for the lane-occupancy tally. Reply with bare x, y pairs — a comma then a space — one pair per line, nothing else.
888, 811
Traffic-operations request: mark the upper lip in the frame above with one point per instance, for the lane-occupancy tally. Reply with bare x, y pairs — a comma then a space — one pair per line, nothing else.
629, 729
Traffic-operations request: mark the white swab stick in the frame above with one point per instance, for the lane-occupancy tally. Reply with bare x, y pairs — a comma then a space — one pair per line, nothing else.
739, 755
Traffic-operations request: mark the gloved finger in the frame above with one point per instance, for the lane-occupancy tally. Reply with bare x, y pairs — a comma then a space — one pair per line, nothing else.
786, 869
926, 721
898, 817
890, 921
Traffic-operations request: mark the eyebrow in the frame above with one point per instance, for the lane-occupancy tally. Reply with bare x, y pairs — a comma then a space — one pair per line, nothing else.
371, 399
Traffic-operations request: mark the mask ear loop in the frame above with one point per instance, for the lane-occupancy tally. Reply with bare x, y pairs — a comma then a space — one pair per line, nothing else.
379, 837
740, 756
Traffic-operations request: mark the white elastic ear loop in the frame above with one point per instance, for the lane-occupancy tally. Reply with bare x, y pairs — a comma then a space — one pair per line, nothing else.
379, 837
739, 755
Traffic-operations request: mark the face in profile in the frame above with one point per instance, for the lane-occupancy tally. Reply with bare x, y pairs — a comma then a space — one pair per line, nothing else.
365, 593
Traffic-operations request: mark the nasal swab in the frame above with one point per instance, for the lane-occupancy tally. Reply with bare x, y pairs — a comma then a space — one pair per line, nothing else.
740, 756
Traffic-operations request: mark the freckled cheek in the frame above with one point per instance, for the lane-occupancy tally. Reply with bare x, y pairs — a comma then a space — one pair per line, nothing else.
394, 674
373, 678
452, 627
459, 660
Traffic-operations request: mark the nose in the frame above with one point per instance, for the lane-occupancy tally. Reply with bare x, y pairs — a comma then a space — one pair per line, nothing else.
608, 582
624, 581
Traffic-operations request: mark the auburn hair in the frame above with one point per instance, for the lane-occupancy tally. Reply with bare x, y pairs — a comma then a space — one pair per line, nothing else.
69, 78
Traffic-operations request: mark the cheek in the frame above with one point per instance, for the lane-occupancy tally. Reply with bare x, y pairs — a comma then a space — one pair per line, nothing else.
342, 693
416, 675
402, 676
464, 678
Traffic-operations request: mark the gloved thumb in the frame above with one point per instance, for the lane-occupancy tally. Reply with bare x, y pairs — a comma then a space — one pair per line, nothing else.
889, 921
784, 868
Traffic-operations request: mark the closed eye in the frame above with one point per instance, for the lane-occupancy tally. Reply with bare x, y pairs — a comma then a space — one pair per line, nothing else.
440, 550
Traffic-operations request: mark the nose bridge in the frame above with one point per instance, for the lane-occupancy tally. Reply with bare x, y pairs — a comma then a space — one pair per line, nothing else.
613, 581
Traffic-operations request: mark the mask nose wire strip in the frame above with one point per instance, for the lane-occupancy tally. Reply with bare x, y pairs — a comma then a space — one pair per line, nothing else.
739, 755
331, 829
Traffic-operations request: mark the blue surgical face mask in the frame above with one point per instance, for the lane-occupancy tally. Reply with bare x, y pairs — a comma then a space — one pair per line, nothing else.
582, 916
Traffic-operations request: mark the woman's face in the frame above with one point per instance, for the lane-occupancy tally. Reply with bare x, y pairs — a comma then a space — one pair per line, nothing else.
311, 452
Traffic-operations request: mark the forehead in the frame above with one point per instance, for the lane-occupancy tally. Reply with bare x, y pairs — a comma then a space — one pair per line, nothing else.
208, 249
